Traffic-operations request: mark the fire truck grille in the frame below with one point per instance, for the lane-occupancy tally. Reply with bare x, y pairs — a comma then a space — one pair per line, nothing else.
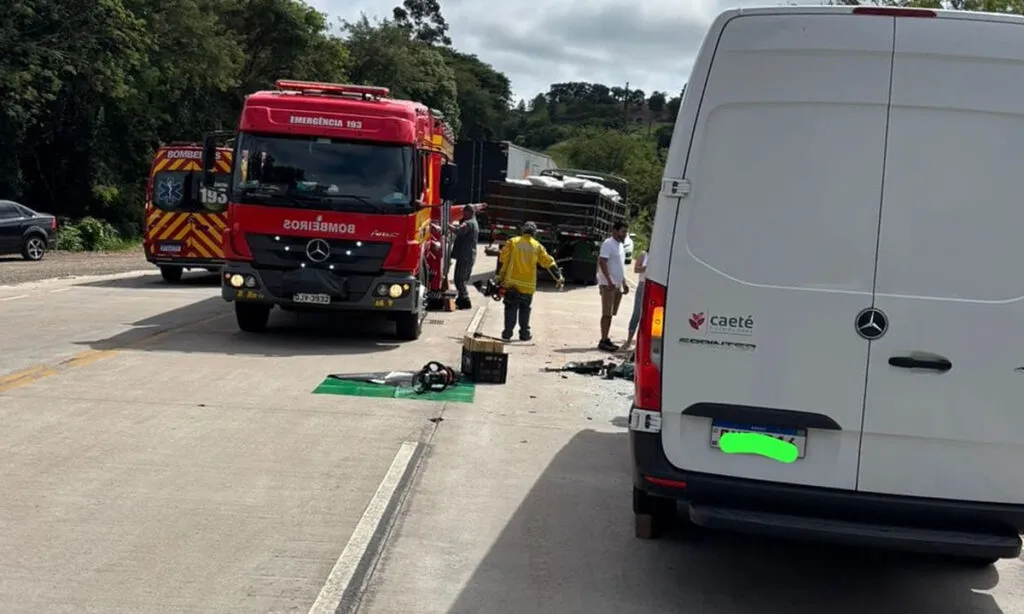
343, 256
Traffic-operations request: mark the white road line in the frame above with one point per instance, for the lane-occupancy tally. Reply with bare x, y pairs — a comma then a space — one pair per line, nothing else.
60, 290
13, 298
366, 533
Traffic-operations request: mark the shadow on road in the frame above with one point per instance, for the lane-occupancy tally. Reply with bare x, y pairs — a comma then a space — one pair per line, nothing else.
208, 326
570, 548
153, 281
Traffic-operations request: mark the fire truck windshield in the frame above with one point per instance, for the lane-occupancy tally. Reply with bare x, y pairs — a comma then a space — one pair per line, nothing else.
322, 173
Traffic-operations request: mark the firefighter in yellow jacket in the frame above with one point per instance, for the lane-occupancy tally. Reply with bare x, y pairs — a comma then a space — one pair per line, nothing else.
519, 259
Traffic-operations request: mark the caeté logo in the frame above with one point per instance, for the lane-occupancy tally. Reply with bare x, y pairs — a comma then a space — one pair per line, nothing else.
696, 320
722, 324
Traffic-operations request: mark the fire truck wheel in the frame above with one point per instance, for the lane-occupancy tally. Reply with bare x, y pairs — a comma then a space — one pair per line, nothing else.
252, 317
171, 273
409, 325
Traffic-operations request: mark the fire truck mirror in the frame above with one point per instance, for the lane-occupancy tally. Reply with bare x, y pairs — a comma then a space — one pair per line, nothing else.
209, 159
449, 180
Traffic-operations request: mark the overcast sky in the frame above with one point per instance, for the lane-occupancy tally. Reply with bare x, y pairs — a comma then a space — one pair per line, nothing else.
538, 42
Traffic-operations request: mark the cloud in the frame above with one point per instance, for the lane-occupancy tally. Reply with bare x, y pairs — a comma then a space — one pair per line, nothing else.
539, 42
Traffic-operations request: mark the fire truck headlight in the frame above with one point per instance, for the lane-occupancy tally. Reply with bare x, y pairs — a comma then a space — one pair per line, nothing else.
381, 290
237, 281
395, 291
250, 281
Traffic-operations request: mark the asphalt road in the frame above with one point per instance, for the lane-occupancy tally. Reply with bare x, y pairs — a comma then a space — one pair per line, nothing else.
154, 459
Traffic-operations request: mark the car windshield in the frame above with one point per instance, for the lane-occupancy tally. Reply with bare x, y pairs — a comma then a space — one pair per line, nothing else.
322, 173
176, 191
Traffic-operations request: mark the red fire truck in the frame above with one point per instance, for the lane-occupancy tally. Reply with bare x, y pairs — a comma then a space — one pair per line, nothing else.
339, 200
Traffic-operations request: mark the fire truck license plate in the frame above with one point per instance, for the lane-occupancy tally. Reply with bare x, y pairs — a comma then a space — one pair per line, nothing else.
312, 299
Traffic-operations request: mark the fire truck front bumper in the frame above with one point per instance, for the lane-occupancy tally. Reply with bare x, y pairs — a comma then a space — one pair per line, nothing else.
319, 289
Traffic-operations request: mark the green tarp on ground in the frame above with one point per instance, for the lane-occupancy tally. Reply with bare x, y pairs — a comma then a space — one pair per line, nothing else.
463, 392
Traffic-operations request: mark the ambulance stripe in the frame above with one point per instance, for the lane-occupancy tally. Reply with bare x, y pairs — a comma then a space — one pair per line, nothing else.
213, 249
163, 222
161, 165
184, 230
166, 231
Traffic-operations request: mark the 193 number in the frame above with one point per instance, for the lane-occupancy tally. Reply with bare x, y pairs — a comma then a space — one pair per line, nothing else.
213, 197
352, 124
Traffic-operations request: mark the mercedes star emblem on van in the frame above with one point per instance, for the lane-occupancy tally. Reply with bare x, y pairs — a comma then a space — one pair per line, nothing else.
318, 250
871, 323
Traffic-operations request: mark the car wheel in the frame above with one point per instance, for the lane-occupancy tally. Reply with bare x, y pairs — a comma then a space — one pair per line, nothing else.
34, 248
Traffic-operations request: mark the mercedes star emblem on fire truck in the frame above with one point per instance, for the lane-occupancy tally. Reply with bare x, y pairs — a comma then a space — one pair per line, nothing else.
318, 250
871, 323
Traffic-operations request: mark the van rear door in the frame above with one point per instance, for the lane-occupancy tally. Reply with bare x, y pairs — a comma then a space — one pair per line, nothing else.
943, 414
774, 249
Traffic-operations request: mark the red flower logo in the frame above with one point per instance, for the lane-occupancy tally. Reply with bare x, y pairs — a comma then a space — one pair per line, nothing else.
696, 320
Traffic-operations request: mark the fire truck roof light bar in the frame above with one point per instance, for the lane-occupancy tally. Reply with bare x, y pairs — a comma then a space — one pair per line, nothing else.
332, 88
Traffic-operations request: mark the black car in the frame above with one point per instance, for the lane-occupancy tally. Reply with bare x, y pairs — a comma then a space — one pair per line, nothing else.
25, 231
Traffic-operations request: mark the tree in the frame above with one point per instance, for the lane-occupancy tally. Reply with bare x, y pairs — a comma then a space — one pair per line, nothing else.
423, 21
483, 95
656, 103
382, 54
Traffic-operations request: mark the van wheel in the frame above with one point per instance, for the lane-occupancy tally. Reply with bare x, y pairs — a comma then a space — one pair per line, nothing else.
653, 515
252, 317
171, 274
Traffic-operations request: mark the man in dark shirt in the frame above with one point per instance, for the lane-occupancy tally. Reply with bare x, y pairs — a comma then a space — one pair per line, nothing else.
467, 236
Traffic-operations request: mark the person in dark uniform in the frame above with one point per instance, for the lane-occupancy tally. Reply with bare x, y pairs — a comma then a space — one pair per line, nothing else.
467, 236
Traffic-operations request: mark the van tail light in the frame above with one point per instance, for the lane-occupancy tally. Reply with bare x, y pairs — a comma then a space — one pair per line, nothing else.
888, 11
649, 348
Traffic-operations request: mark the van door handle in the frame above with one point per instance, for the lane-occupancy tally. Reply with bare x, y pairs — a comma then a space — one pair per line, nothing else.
910, 362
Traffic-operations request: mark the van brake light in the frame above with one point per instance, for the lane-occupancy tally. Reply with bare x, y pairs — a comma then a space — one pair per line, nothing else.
649, 347
888, 11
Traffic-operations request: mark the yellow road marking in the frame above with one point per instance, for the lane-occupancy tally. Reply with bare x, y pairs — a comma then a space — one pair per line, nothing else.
34, 374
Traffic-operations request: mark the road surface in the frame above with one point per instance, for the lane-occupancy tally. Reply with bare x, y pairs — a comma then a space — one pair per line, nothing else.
157, 460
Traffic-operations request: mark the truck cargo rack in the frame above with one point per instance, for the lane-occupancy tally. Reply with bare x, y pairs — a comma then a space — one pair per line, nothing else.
574, 212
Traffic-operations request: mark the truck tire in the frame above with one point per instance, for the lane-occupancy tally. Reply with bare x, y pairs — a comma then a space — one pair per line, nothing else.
252, 317
409, 325
171, 274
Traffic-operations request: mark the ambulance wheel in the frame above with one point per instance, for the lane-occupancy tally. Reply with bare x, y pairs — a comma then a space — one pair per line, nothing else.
171, 274
252, 317
653, 516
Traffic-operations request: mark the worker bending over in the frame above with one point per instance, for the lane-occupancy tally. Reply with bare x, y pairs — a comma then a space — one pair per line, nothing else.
518, 275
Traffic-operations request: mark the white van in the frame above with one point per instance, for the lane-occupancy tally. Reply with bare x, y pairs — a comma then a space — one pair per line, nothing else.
837, 261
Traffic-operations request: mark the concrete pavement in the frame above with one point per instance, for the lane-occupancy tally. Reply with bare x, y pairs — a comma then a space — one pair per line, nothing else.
157, 460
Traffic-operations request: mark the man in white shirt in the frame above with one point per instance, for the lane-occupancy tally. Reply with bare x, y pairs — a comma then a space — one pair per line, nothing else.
611, 279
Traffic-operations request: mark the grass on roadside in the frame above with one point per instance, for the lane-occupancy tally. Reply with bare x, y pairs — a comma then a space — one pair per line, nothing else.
93, 235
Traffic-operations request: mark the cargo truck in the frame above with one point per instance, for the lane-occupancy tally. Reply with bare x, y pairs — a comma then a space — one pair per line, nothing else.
571, 221
481, 162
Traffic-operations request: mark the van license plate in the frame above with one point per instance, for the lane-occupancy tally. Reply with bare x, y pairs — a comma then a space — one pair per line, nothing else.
797, 437
312, 299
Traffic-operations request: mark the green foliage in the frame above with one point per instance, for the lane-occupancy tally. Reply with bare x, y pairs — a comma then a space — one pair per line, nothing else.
91, 234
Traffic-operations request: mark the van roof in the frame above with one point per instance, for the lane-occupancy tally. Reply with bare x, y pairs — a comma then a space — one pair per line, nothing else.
832, 10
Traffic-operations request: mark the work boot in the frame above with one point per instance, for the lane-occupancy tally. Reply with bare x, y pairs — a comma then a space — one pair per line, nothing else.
606, 345
463, 303
525, 337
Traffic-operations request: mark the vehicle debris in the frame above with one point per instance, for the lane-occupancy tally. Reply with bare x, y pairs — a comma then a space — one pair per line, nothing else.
607, 369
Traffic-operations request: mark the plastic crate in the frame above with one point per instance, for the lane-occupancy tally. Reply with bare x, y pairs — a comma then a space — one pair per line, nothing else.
485, 367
